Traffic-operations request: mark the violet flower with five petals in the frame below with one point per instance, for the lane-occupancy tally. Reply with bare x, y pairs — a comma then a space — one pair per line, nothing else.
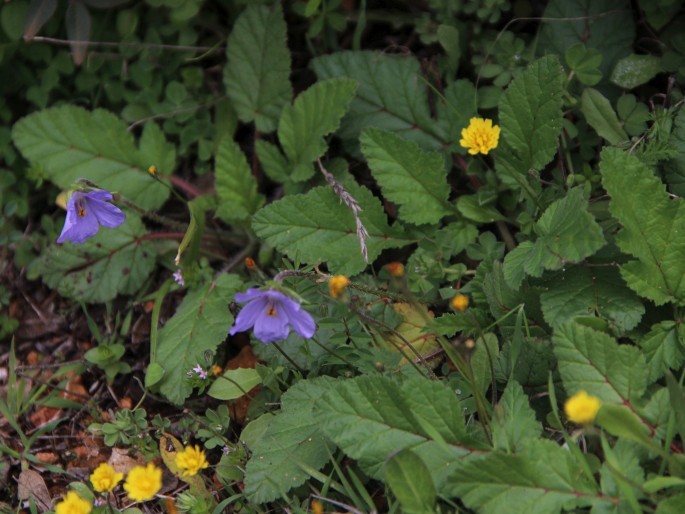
86, 212
271, 313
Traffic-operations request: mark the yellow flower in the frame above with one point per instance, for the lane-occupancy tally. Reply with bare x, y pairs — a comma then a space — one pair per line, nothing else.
396, 269
142, 483
191, 460
581, 408
216, 370
480, 136
152, 170
317, 507
73, 504
460, 302
104, 478
337, 284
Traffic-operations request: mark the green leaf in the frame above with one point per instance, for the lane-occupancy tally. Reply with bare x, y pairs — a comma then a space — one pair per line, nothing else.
530, 112
621, 472
458, 107
662, 349
472, 208
257, 75
621, 421
513, 423
114, 261
316, 113
68, 143
413, 179
579, 291
601, 116
273, 162
584, 62
199, 325
594, 362
635, 70
483, 360
567, 233
292, 444
317, 226
156, 150
411, 483
391, 96
234, 383
235, 184
372, 417
541, 480
653, 227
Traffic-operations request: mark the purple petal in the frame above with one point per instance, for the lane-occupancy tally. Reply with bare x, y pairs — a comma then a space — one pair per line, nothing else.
248, 315
76, 228
249, 295
300, 319
100, 195
272, 324
108, 215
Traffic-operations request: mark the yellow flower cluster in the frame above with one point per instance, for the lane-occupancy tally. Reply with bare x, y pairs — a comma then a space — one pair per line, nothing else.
104, 478
581, 408
191, 460
337, 284
480, 136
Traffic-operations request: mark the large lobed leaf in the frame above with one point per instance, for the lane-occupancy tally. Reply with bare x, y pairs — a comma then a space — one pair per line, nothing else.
513, 423
257, 75
68, 143
114, 261
317, 226
593, 361
292, 444
199, 325
235, 184
372, 417
413, 179
653, 227
567, 233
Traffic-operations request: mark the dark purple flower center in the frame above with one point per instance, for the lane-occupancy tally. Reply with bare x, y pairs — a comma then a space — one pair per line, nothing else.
80, 209
271, 311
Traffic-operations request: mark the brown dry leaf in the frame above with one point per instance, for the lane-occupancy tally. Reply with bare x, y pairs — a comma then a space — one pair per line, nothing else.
74, 392
121, 462
238, 408
31, 484
245, 359
47, 457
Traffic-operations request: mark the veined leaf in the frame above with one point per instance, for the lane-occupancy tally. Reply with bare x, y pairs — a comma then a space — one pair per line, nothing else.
316, 227
514, 424
601, 116
663, 349
391, 96
235, 184
593, 361
530, 113
199, 325
410, 481
371, 417
234, 383
635, 70
653, 227
567, 233
541, 480
68, 143
156, 150
257, 75
291, 445
114, 261
414, 179
316, 113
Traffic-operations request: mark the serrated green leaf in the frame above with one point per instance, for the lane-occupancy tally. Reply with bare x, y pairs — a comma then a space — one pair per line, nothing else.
317, 226
635, 70
391, 96
314, 114
483, 360
234, 383
292, 444
471, 208
662, 349
513, 423
371, 417
601, 116
567, 233
272, 160
530, 112
200, 323
411, 483
257, 75
235, 184
414, 179
156, 149
621, 472
459, 106
653, 227
578, 291
593, 361
68, 143
114, 261
543, 479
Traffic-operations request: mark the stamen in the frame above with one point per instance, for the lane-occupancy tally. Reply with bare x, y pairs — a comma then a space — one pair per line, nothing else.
271, 311
81, 210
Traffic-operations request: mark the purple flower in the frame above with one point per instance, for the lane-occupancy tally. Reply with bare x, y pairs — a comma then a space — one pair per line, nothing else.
86, 212
178, 277
271, 313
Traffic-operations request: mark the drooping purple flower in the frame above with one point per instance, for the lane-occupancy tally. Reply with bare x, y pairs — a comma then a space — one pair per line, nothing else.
272, 313
86, 212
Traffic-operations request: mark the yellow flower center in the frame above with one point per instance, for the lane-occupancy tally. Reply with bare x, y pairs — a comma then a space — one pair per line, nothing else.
81, 210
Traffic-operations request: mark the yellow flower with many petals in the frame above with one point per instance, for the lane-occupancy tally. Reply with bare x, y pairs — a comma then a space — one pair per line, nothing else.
581, 408
480, 136
191, 460
104, 478
143, 482
73, 504
337, 284
460, 302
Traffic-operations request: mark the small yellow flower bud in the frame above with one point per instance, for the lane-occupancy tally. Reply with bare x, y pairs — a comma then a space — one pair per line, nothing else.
250, 263
337, 284
480, 136
460, 302
216, 370
396, 269
581, 408
152, 170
